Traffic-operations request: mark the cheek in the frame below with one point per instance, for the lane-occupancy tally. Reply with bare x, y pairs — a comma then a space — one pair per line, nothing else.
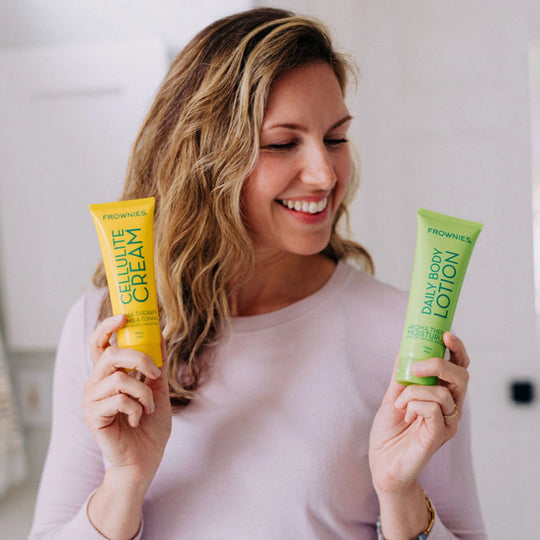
254, 195
268, 180
344, 171
255, 200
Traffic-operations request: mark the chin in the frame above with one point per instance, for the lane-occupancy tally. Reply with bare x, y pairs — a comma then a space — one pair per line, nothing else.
310, 248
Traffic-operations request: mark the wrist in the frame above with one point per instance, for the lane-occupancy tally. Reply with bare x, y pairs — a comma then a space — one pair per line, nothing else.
396, 490
115, 509
125, 482
405, 514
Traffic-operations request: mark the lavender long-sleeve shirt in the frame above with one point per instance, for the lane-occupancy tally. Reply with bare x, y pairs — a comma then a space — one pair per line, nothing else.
276, 445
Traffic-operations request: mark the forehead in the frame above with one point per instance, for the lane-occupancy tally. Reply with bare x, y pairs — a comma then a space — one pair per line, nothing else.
307, 90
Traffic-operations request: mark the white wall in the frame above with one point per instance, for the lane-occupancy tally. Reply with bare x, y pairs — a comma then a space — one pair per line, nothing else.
34, 22
94, 64
63, 24
442, 121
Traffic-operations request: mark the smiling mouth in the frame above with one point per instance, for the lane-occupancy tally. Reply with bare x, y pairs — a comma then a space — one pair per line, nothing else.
305, 206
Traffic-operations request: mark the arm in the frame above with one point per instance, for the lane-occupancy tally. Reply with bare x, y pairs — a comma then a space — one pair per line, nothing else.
411, 426
449, 480
117, 422
74, 464
131, 422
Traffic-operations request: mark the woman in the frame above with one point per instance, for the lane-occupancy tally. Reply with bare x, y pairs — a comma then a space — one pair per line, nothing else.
266, 420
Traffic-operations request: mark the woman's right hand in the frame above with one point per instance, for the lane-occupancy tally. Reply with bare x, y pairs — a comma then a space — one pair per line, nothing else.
130, 419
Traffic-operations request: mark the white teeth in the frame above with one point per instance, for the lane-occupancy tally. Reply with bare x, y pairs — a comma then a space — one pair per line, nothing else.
305, 206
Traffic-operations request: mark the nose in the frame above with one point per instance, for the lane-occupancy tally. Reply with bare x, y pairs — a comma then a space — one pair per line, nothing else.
318, 169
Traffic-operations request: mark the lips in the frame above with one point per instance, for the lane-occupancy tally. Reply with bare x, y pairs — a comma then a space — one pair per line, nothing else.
307, 207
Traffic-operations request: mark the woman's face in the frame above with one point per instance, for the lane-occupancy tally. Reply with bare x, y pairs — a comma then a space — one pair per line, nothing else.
304, 165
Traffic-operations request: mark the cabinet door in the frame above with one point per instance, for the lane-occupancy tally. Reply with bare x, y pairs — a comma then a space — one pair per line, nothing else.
69, 115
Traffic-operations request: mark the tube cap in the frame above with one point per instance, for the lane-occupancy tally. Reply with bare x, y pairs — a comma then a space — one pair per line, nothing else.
153, 350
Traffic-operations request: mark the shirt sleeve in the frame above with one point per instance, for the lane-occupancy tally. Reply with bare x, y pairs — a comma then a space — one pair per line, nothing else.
74, 467
450, 483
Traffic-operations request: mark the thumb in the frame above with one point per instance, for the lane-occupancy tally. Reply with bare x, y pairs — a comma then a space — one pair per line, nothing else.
165, 365
164, 379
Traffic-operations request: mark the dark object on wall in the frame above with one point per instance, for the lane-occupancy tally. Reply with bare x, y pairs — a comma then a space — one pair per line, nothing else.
522, 392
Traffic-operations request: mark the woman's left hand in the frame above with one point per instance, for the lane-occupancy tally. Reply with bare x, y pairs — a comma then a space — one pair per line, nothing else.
414, 421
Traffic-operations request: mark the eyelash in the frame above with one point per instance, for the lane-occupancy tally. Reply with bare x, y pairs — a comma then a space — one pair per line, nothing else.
287, 146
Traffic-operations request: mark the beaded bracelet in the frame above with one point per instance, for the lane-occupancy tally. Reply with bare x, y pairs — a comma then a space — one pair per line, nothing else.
421, 536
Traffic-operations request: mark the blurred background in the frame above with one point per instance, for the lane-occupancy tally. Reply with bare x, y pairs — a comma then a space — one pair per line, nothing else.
447, 117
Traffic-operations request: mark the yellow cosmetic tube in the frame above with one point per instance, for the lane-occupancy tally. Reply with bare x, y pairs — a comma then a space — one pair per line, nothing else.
125, 231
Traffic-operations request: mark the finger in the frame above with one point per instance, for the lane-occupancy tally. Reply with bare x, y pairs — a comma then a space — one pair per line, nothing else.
443, 369
455, 415
428, 411
115, 358
164, 354
436, 394
458, 352
163, 379
102, 414
100, 338
455, 377
121, 383
160, 385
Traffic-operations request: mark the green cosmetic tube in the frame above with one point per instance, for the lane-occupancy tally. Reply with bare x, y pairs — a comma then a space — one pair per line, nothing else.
443, 248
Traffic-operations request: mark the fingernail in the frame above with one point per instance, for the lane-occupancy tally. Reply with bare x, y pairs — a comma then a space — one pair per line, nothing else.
117, 318
156, 371
398, 403
151, 408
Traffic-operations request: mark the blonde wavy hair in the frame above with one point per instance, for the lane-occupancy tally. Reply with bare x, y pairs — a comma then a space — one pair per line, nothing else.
196, 147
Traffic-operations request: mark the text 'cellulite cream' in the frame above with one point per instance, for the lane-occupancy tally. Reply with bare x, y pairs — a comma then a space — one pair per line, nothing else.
126, 236
443, 248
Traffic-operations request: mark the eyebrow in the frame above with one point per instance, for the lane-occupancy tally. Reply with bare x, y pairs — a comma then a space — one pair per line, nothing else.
297, 127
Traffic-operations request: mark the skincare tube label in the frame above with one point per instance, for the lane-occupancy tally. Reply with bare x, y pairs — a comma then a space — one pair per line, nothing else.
126, 236
443, 248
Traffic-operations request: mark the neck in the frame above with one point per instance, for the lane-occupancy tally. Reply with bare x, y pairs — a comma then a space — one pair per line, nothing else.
280, 280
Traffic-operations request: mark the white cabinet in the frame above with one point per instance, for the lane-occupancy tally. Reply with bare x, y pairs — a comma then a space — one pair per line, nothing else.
68, 118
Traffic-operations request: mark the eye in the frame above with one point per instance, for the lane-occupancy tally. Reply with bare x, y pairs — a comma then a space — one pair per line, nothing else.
281, 146
336, 141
